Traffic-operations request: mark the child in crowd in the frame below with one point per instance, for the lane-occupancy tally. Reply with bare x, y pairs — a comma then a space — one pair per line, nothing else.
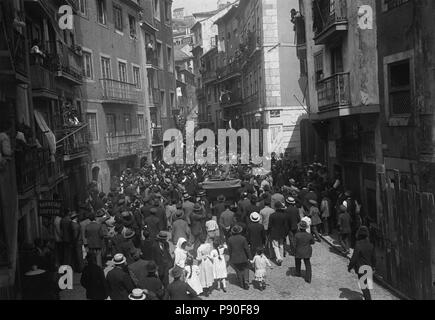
192, 273
260, 262
219, 264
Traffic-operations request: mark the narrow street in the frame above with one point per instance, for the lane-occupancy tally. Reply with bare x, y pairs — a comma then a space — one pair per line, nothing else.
331, 281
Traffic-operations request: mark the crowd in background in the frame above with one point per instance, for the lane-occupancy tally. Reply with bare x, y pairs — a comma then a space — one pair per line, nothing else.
157, 223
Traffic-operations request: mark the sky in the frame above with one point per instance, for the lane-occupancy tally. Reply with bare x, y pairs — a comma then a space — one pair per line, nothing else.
192, 6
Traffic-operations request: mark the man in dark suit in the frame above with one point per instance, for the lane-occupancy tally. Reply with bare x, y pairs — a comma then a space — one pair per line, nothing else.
303, 251
219, 207
278, 231
94, 234
67, 237
293, 218
178, 289
255, 233
162, 257
240, 255
153, 223
118, 279
242, 207
363, 255
77, 243
152, 282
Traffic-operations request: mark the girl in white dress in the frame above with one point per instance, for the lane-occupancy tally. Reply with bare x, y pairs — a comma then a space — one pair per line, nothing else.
205, 266
261, 263
219, 265
180, 253
192, 273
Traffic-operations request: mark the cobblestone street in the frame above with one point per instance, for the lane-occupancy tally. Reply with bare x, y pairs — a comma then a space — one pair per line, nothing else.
331, 281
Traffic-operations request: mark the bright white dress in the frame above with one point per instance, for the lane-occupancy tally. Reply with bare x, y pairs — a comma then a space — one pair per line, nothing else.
219, 265
205, 265
193, 281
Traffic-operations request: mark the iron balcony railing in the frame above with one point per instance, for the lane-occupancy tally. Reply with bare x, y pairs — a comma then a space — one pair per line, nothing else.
114, 91
68, 62
42, 78
327, 13
125, 145
333, 92
75, 142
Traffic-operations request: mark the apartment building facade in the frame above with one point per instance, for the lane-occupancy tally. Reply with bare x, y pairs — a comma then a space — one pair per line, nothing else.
340, 59
205, 55
160, 65
114, 90
257, 81
42, 123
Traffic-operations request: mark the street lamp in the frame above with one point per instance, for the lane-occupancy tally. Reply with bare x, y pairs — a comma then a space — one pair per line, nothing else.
258, 118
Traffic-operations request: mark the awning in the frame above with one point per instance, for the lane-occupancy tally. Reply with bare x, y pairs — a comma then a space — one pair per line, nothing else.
221, 184
51, 138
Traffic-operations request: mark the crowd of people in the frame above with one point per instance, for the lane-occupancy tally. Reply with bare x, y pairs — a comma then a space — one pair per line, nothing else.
158, 224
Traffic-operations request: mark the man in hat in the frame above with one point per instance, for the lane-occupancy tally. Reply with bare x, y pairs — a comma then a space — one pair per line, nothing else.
242, 206
93, 279
278, 231
255, 233
67, 237
363, 256
226, 221
276, 197
160, 213
219, 207
303, 251
180, 228
203, 201
238, 250
146, 208
153, 223
77, 242
293, 218
162, 257
344, 228
95, 234
152, 283
137, 268
187, 207
126, 247
265, 215
251, 208
314, 215
171, 209
118, 279
178, 289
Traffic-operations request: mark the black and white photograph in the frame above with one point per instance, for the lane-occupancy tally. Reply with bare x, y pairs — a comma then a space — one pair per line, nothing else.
221, 154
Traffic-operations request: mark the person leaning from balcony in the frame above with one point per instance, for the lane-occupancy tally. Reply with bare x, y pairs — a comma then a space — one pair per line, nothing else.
77, 243
363, 255
36, 52
95, 234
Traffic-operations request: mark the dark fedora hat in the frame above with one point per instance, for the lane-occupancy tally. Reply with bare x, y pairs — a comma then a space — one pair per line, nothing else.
197, 207
162, 236
151, 267
236, 229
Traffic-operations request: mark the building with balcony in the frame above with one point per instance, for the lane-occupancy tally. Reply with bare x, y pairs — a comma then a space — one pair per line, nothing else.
340, 62
114, 92
186, 86
14, 109
56, 74
157, 24
205, 65
257, 85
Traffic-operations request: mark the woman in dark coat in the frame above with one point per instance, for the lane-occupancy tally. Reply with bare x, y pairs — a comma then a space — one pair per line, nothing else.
93, 279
